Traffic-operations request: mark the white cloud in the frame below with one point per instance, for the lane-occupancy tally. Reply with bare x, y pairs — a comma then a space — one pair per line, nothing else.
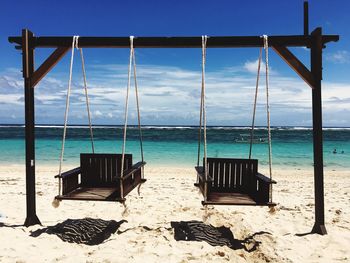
11, 99
9, 83
97, 113
171, 95
252, 67
340, 57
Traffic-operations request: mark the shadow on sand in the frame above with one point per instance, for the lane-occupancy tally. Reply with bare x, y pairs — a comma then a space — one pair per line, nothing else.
88, 231
10, 226
304, 234
215, 236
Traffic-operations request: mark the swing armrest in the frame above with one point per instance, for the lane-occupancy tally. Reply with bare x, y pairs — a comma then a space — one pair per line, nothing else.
133, 169
264, 179
200, 172
73, 172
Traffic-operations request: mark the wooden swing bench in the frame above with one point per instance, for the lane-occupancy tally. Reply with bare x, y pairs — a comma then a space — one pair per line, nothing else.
234, 182
99, 178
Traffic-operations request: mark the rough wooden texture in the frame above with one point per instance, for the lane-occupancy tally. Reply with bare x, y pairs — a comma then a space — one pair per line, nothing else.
99, 178
233, 182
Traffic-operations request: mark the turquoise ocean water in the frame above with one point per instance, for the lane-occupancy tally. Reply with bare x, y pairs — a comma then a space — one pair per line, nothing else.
177, 146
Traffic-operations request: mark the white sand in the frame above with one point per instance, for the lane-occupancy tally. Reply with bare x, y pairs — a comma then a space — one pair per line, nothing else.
169, 195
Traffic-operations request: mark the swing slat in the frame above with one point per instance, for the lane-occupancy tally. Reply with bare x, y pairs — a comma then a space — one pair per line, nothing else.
251, 187
97, 183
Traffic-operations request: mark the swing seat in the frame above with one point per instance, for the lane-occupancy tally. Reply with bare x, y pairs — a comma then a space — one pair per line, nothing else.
234, 182
98, 178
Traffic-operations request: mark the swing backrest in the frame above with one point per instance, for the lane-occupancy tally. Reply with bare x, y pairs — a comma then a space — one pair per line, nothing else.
232, 175
101, 170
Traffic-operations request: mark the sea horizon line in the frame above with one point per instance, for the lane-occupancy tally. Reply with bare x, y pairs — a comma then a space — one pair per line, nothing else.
172, 126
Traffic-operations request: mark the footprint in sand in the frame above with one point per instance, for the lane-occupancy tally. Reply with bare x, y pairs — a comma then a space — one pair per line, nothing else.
338, 212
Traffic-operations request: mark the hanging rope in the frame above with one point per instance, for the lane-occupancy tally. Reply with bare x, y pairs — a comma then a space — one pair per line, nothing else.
66, 113
204, 39
200, 128
204, 54
74, 45
86, 93
255, 101
137, 103
266, 47
127, 107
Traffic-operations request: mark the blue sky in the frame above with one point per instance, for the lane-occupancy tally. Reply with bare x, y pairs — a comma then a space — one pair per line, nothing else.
169, 79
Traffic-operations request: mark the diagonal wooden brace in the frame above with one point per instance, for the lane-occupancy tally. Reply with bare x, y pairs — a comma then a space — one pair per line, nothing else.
48, 64
295, 64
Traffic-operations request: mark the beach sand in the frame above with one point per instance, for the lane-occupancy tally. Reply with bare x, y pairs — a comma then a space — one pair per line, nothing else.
169, 195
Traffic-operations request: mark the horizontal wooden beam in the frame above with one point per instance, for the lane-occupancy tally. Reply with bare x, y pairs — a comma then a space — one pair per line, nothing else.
173, 42
295, 64
48, 64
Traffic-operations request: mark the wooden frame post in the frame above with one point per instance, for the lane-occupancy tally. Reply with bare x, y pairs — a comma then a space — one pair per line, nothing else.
28, 70
316, 71
306, 18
